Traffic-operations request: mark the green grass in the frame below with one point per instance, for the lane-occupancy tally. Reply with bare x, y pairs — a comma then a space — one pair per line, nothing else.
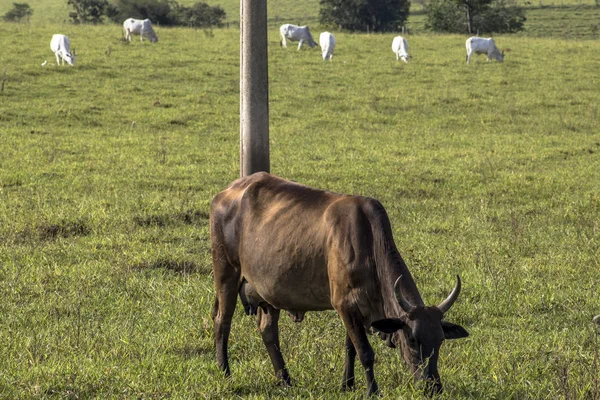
489, 170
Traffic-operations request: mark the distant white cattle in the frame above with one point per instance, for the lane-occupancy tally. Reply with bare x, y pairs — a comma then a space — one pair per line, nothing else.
296, 33
483, 46
327, 42
400, 49
61, 46
142, 27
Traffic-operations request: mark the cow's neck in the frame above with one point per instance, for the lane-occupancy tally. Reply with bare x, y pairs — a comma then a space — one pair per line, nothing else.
391, 270
390, 265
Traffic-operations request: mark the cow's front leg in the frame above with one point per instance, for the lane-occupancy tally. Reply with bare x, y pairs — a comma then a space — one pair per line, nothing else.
348, 379
356, 331
57, 58
300, 44
268, 324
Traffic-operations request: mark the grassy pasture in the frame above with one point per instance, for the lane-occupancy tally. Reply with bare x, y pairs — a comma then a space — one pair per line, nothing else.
490, 171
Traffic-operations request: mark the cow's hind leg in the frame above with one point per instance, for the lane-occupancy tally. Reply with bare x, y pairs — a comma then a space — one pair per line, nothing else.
348, 379
227, 279
268, 324
356, 331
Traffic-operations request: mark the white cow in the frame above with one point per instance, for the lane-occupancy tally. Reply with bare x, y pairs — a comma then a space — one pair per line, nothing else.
296, 33
483, 46
61, 46
400, 49
142, 27
327, 42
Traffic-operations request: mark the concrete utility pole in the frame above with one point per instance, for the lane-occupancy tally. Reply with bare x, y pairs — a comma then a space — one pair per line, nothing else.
254, 88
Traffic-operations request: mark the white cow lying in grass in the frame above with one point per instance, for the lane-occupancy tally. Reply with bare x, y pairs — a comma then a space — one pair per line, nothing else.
487, 46
139, 27
296, 33
400, 49
327, 42
61, 45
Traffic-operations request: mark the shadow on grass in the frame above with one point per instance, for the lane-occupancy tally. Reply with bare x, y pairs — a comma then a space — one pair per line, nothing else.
189, 217
49, 232
189, 352
179, 266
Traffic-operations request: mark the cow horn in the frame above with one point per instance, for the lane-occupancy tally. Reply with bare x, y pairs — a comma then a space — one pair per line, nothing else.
404, 304
446, 304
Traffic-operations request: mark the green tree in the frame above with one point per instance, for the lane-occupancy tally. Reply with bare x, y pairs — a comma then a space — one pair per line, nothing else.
474, 16
20, 12
161, 12
501, 17
472, 9
360, 15
89, 10
201, 15
445, 16
169, 12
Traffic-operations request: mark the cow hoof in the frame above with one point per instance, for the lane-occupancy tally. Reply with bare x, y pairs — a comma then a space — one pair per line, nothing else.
284, 381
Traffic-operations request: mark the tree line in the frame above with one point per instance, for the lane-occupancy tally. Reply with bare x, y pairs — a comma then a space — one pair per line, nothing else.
451, 16
161, 12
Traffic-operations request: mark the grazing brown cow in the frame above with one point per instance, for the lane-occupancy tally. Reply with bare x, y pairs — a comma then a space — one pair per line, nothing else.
285, 246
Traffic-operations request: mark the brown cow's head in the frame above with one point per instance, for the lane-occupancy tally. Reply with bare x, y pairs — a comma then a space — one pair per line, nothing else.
419, 333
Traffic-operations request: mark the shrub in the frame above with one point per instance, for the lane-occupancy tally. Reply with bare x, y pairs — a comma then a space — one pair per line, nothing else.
500, 17
161, 12
452, 16
360, 15
201, 15
168, 12
89, 10
445, 16
19, 13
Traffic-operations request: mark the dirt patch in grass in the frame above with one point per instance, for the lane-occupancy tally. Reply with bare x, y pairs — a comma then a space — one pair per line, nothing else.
63, 229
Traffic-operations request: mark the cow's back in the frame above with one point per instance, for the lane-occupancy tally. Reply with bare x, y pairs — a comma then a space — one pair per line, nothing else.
59, 42
147, 25
399, 44
133, 25
478, 44
326, 40
283, 29
291, 241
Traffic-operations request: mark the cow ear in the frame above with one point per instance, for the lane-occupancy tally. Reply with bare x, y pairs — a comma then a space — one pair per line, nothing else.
388, 325
453, 331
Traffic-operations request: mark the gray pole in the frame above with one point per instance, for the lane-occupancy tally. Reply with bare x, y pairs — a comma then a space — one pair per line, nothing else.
254, 88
